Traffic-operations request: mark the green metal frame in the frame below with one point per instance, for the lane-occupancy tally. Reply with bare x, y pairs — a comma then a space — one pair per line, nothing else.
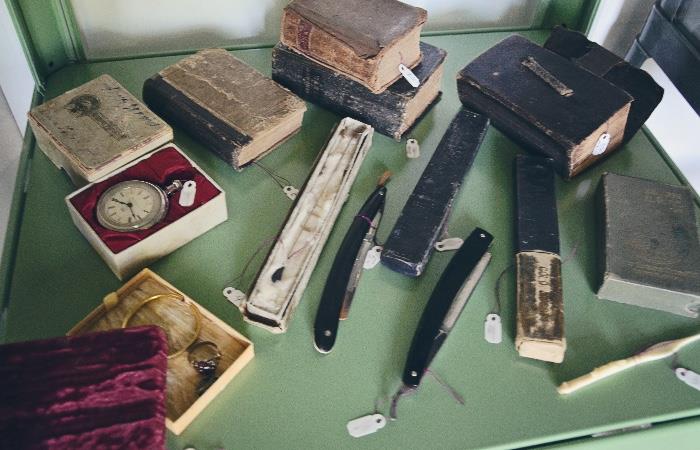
51, 37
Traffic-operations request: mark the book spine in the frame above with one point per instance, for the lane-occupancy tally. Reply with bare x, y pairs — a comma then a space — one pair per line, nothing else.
540, 317
181, 112
427, 210
338, 93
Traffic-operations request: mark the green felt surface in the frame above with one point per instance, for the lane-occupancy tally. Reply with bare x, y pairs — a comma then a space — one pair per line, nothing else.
292, 396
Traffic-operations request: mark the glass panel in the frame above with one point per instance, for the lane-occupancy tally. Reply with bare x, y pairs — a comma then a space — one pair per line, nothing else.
111, 28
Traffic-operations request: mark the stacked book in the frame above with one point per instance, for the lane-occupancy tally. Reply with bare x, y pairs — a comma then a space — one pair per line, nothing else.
350, 57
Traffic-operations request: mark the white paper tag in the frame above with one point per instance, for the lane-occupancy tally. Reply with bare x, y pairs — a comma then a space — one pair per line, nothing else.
493, 333
373, 257
409, 76
235, 296
362, 426
689, 377
412, 149
602, 144
449, 244
291, 192
188, 193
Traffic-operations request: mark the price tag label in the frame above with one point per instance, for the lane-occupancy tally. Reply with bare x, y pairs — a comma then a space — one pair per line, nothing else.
689, 377
373, 257
448, 244
409, 76
188, 193
291, 192
493, 332
362, 426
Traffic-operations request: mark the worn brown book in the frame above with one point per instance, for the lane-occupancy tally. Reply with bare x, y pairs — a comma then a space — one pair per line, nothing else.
650, 253
546, 103
364, 39
228, 106
96, 128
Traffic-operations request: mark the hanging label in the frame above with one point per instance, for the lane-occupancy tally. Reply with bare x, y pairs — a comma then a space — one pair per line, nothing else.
689, 377
188, 193
602, 144
449, 244
493, 332
362, 426
235, 296
291, 192
412, 149
409, 76
373, 257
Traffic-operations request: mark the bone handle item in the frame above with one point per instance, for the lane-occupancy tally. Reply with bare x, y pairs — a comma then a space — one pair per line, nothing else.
598, 373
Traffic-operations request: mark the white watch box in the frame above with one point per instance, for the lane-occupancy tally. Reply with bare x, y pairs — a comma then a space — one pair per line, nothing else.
127, 261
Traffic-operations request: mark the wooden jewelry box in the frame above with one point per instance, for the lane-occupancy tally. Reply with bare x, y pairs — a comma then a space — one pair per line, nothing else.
128, 250
182, 403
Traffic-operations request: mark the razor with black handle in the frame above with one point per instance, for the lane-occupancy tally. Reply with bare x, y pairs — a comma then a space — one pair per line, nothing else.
444, 307
346, 270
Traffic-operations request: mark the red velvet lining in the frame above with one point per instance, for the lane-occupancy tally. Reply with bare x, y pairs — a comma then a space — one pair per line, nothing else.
161, 168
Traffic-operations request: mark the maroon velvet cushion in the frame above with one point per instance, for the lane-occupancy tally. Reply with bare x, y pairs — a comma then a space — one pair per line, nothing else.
102, 390
160, 168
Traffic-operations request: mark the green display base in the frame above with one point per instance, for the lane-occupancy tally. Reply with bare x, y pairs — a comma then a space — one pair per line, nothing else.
291, 396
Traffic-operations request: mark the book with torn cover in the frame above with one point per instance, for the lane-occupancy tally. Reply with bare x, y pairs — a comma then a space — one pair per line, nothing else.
365, 40
226, 105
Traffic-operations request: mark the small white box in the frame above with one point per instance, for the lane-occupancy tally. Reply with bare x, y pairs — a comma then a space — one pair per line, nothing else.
163, 241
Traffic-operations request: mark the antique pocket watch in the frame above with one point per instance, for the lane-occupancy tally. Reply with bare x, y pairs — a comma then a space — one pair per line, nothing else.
134, 205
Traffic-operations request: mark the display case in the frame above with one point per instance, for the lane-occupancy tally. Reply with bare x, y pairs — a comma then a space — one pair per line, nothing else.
293, 397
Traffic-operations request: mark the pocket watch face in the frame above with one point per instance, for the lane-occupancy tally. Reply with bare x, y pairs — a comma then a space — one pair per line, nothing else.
131, 205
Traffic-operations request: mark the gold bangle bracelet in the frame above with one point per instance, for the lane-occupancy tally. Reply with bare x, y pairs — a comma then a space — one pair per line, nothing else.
195, 313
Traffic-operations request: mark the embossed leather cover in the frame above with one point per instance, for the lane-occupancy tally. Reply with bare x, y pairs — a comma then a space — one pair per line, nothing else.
649, 248
96, 128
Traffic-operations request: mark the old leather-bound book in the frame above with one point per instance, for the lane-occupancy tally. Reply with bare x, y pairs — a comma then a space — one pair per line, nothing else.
540, 318
101, 390
392, 112
96, 128
649, 249
546, 103
228, 106
596, 59
423, 218
364, 39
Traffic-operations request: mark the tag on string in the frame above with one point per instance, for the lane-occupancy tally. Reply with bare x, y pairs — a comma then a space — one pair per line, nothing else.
449, 244
235, 296
290, 191
409, 75
493, 332
689, 377
412, 149
188, 193
373, 257
362, 426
